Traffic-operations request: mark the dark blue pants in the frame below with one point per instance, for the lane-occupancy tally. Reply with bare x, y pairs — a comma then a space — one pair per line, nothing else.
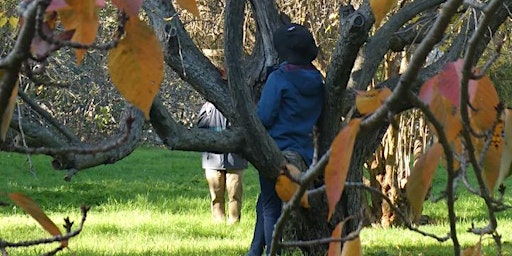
268, 210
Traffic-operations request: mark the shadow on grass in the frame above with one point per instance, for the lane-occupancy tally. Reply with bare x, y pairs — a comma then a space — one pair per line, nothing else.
427, 250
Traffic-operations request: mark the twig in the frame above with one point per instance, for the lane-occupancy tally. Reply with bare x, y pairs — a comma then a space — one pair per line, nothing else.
6, 244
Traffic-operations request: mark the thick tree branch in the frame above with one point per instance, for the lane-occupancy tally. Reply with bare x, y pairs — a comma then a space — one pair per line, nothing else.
378, 45
176, 136
262, 151
11, 64
183, 56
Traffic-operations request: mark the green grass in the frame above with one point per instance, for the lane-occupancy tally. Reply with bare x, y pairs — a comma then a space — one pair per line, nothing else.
156, 202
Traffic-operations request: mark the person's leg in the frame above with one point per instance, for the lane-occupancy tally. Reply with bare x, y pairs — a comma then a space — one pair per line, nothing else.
234, 187
217, 184
258, 239
272, 205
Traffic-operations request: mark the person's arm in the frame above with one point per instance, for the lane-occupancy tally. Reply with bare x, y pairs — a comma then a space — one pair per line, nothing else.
268, 106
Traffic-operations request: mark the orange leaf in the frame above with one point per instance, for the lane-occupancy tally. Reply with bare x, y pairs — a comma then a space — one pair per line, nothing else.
506, 155
447, 114
352, 248
337, 168
130, 7
83, 18
136, 65
369, 101
286, 188
421, 177
37, 213
380, 8
335, 247
484, 102
9, 110
492, 158
189, 5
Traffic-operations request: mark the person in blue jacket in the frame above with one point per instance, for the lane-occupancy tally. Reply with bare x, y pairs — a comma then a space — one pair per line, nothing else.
289, 107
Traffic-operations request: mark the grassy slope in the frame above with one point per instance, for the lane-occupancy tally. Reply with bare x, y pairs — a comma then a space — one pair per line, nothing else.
155, 202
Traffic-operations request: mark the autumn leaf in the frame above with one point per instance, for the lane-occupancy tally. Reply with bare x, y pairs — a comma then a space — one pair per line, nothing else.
136, 65
506, 155
418, 183
335, 247
286, 188
82, 16
31, 207
189, 5
131, 7
369, 101
492, 159
339, 162
61, 4
42, 48
9, 110
443, 101
380, 8
352, 247
484, 101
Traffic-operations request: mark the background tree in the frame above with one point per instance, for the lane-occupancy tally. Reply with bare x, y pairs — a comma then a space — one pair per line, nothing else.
361, 35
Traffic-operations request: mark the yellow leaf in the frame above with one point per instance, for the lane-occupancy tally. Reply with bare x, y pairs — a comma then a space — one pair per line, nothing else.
352, 248
3, 21
421, 177
380, 8
136, 65
82, 16
6, 118
189, 5
506, 155
31, 207
286, 188
337, 168
369, 101
13, 22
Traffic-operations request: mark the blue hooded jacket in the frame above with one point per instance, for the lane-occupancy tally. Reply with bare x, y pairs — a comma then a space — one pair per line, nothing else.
290, 105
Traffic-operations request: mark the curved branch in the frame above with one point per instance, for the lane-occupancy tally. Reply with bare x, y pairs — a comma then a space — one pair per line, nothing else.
176, 136
183, 56
378, 45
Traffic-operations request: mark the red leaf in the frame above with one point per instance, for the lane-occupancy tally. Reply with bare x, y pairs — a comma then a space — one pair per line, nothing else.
339, 162
31, 207
421, 177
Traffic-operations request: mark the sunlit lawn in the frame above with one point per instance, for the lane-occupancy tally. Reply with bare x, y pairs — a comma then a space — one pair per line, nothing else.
155, 202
